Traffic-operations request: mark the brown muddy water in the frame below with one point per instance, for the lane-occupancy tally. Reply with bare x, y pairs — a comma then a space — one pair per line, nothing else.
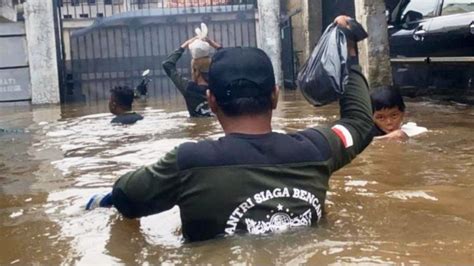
397, 203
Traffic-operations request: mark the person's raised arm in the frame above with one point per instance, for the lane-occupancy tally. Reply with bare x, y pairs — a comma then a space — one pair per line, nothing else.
352, 133
169, 65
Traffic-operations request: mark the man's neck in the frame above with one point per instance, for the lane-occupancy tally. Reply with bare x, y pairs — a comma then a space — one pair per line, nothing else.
251, 125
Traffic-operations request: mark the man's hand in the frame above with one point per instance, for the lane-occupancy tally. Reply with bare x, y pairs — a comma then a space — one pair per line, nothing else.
343, 22
397, 135
103, 201
186, 44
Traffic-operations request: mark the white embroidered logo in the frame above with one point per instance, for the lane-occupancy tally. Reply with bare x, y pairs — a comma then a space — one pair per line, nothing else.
279, 222
203, 109
279, 219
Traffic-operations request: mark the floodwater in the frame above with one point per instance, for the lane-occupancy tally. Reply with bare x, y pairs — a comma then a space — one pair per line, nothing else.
397, 203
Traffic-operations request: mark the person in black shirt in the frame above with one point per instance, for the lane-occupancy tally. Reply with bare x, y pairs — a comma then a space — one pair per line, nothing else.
194, 91
253, 180
120, 104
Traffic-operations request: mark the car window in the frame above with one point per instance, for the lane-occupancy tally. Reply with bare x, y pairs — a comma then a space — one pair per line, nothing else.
451, 7
425, 8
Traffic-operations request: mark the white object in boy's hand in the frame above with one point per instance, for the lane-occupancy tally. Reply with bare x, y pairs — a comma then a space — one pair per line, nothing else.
411, 129
201, 33
200, 48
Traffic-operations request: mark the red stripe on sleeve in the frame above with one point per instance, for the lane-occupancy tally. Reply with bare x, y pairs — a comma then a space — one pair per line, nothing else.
340, 135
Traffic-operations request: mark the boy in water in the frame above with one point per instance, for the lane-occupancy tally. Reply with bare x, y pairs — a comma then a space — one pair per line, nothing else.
194, 91
388, 112
120, 104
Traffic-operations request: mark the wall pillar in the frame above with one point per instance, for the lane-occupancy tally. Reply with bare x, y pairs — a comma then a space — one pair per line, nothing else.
307, 26
312, 24
269, 38
374, 53
40, 34
7, 11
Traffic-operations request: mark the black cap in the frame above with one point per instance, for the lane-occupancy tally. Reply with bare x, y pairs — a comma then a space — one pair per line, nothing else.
240, 72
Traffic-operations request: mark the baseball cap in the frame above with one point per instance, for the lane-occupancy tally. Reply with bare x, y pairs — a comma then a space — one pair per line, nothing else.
240, 72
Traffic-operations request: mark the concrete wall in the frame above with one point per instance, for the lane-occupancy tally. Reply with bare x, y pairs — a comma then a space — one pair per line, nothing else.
374, 51
299, 44
40, 33
269, 38
7, 11
14, 70
307, 26
313, 19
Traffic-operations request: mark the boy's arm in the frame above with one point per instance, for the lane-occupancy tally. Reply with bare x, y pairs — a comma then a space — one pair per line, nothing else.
169, 65
149, 190
397, 135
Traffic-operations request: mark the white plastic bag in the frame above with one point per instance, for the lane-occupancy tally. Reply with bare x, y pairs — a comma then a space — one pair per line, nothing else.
412, 129
200, 48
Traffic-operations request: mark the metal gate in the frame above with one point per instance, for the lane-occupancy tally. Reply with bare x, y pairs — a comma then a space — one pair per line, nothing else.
115, 50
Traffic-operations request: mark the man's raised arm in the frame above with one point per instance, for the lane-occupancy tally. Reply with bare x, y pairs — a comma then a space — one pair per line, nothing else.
350, 135
169, 65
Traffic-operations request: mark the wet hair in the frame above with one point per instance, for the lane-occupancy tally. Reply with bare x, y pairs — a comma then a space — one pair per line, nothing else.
254, 105
123, 96
387, 97
200, 66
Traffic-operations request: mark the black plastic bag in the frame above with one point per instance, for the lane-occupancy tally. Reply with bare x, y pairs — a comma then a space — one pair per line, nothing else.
325, 74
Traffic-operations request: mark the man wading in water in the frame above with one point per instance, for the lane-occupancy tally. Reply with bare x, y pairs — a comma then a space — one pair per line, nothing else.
253, 180
194, 91
120, 104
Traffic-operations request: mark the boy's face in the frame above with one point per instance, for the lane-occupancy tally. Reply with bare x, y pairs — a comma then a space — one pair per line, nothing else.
388, 119
112, 105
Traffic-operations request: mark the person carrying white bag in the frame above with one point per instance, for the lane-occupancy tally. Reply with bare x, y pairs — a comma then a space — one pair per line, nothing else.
194, 90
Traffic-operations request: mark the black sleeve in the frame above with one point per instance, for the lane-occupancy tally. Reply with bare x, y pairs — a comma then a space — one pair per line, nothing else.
148, 190
169, 65
350, 135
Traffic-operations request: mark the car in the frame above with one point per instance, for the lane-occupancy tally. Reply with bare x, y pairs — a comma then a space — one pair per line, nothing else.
432, 46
